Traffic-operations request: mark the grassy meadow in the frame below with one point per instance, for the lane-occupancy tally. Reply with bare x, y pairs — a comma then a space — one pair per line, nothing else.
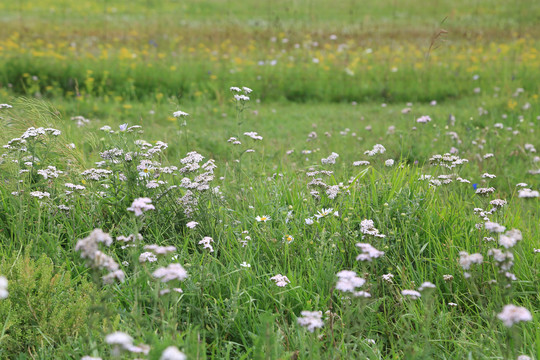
298, 179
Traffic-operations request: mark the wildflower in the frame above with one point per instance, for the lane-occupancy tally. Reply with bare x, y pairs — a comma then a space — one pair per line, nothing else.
120, 341
40, 194
368, 252
263, 218
323, 212
494, 227
466, 260
281, 280
245, 264
253, 135
426, 285
309, 221
330, 159
528, 193
141, 205
389, 162
179, 113
241, 97
123, 127
377, 149
288, 239
388, 277
498, 203
147, 257
90, 358
423, 119
206, 242
192, 224
171, 272
510, 238
246, 89
360, 163
413, 294
311, 319
490, 176
3, 287
448, 278
172, 353
512, 314
367, 227
113, 276
485, 191
349, 281
160, 250
452, 304
5, 106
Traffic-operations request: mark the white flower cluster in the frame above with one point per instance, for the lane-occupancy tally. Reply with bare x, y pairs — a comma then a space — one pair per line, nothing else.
280, 280
330, 159
141, 205
89, 250
348, 281
3, 288
512, 314
447, 160
121, 342
367, 228
423, 119
377, 149
311, 320
206, 242
368, 252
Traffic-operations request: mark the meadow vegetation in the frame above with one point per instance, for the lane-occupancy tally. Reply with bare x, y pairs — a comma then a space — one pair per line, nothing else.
269, 180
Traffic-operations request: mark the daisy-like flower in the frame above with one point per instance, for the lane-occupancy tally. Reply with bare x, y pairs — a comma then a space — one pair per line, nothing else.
141, 205
288, 238
311, 320
413, 294
281, 280
324, 212
179, 113
263, 218
512, 314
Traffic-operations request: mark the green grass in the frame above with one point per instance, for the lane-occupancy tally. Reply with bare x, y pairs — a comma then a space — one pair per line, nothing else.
58, 305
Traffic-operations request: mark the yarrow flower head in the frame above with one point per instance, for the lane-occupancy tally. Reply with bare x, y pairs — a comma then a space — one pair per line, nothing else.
3, 287
423, 119
512, 314
172, 353
281, 280
413, 294
311, 320
141, 205
179, 113
170, 273
348, 281
368, 252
